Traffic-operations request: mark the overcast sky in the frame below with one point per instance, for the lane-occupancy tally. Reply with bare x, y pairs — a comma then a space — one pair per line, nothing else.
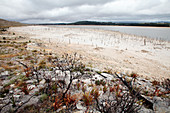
49, 11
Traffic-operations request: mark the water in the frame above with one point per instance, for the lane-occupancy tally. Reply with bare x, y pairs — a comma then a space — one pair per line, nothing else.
150, 32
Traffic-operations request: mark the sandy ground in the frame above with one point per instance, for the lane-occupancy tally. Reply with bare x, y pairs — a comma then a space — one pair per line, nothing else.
106, 50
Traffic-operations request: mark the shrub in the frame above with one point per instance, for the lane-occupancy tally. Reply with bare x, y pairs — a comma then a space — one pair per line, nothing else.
43, 97
105, 89
166, 84
87, 99
155, 83
34, 51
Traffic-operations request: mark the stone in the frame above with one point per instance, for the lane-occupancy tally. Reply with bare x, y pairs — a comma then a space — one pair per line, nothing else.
5, 73
34, 91
98, 77
31, 86
30, 81
109, 77
80, 107
1, 88
12, 85
58, 71
60, 109
40, 86
42, 81
95, 69
161, 106
17, 91
11, 92
145, 110
55, 79
17, 97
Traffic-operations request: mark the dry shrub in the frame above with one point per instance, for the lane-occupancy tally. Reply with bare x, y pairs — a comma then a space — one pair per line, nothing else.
6, 67
69, 100
123, 104
8, 56
87, 99
166, 84
155, 83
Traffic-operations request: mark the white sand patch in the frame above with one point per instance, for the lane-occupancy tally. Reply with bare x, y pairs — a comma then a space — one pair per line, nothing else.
106, 49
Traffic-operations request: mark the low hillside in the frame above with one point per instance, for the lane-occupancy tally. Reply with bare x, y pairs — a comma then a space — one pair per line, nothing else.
5, 23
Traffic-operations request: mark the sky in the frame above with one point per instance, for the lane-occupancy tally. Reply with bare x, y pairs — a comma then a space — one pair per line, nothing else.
58, 11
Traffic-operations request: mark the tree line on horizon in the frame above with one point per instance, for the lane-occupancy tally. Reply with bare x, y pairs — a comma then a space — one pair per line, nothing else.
158, 24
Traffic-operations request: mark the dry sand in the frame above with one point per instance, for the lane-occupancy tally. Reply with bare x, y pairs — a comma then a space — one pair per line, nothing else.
105, 49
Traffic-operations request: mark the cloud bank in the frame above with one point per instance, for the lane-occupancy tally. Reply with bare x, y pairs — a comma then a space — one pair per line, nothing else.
49, 11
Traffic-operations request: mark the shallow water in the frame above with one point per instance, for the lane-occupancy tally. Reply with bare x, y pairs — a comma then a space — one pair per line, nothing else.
150, 32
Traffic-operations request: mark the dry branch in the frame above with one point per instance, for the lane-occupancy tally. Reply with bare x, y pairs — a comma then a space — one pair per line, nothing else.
146, 103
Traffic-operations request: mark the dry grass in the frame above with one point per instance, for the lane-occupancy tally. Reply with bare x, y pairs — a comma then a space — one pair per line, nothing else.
6, 67
8, 56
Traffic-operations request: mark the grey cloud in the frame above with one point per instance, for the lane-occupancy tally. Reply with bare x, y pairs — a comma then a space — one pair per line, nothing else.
39, 11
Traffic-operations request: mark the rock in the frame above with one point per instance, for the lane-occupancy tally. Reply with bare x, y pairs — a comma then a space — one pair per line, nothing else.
30, 81
58, 71
109, 77
34, 91
31, 86
98, 77
17, 91
79, 112
144, 110
33, 100
12, 85
17, 97
11, 92
60, 109
1, 88
40, 86
87, 81
80, 107
95, 69
5, 73
54, 79
161, 106
42, 81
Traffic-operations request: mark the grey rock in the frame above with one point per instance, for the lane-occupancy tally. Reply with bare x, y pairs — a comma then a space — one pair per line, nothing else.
17, 97
80, 107
5, 73
161, 106
35, 90
1, 88
60, 109
42, 81
144, 110
31, 86
95, 69
32, 101
109, 77
30, 81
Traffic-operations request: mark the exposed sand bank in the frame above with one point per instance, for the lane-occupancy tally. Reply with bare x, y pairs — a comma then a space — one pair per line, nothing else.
106, 49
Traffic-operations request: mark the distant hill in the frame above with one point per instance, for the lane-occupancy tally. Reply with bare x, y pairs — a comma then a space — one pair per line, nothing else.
5, 23
155, 24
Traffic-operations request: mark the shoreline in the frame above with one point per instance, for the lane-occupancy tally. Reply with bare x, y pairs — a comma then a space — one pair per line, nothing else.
107, 25
164, 38
124, 55
65, 26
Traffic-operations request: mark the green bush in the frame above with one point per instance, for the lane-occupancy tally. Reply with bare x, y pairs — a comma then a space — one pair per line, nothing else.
43, 97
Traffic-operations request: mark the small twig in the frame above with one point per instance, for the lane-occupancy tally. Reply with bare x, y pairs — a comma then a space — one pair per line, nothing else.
5, 105
101, 74
23, 104
146, 102
22, 64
